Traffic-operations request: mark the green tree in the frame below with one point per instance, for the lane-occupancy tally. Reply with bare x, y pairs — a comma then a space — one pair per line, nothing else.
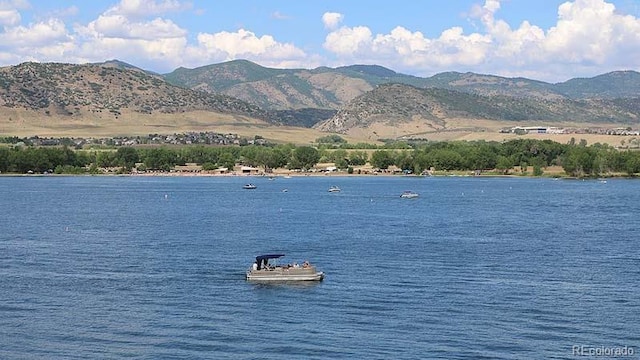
227, 160
632, 163
209, 166
524, 166
404, 160
444, 159
537, 170
504, 164
358, 158
160, 158
271, 158
485, 157
578, 161
382, 159
337, 155
280, 156
106, 159
4, 159
127, 157
304, 157
249, 155
331, 139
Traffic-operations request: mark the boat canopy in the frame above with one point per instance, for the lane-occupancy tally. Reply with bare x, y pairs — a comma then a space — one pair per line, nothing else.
269, 256
263, 260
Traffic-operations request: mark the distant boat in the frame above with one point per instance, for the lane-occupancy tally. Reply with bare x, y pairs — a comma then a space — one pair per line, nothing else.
263, 271
408, 194
249, 186
334, 189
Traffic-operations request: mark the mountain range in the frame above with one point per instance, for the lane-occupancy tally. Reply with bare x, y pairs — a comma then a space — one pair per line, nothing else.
339, 100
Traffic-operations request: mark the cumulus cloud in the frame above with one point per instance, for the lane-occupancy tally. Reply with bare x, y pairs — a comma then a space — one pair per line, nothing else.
589, 35
590, 31
9, 17
9, 12
349, 41
127, 32
409, 49
246, 45
157, 42
331, 20
43, 41
118, 26
37, 35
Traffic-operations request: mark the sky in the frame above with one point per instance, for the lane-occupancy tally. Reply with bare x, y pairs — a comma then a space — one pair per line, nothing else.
545, 40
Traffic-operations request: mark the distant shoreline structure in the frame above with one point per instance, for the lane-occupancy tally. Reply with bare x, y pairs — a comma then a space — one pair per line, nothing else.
620, 131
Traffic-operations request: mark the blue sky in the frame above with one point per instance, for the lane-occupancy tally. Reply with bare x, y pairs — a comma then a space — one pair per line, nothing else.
547, 40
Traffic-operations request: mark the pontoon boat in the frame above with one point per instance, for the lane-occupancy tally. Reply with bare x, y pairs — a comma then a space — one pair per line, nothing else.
262, 270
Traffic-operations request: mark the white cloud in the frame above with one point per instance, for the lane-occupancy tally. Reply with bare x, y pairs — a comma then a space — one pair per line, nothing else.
154, 54
9, 17
37, 35
279, 16
405, 49
118, 26
145, 8
589, 30
70, 11
42, 41
349, 41
331, 20
9, 14
244, 44
158, 42
590, 36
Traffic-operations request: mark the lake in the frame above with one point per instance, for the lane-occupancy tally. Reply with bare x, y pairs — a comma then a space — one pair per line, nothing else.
474, 268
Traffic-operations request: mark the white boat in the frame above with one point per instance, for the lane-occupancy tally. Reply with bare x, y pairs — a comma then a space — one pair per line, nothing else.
408, 194
263, 271
249, 186
334, 189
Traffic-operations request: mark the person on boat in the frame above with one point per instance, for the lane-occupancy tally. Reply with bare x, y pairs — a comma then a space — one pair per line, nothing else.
254, 267
295, 265
305, 264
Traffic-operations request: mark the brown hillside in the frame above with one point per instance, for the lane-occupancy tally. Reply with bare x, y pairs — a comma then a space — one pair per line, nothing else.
55, 89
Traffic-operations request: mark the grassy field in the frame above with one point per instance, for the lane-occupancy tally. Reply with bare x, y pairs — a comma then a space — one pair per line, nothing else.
24, 123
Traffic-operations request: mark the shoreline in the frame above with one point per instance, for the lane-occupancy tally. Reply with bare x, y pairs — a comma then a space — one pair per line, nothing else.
321, 174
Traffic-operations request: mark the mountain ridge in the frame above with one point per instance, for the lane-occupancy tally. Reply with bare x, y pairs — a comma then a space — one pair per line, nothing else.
400, 103
105, 88
274, 87
347, 99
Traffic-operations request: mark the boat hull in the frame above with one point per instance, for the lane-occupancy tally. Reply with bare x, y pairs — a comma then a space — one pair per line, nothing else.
284, 274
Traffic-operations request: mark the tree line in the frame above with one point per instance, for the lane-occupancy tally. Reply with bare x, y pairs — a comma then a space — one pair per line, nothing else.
577, 159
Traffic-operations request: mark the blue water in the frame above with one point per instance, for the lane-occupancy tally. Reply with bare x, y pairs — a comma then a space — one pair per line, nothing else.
475, 268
